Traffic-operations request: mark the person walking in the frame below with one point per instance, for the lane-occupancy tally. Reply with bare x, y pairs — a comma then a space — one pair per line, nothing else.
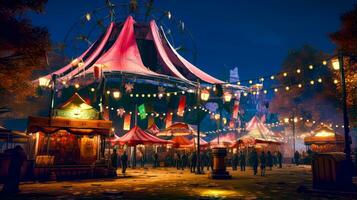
280, 159
242, 161
297, 158
178, 160
254, 161
235, 161
269, 160
184, 160
193, 162
156, 160
262, 163
114, 159
124, 162
17, 158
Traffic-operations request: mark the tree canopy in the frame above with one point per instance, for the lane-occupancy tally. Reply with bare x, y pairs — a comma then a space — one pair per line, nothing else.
23, 50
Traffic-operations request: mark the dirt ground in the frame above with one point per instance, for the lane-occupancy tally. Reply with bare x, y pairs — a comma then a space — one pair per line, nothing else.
169, 183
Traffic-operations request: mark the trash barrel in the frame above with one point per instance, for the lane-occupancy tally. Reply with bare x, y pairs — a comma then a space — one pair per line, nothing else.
331, 171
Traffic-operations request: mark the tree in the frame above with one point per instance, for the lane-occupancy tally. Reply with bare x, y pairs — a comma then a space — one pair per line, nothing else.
346, 41
23, 50
316, 102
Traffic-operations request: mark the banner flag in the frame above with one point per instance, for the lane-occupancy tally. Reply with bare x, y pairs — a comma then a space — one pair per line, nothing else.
181, 106
127, 120
235, 110
168, 120
142, 111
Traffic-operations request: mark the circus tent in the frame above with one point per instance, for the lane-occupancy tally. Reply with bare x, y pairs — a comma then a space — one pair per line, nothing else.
117, 50
153, 129
225, 140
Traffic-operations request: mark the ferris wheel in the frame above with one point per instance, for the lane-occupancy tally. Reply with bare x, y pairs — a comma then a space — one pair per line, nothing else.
93, 24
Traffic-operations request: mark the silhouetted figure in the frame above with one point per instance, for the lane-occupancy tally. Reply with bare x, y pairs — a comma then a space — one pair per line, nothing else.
242, 161
254, 161
178, 160
17, 158
280, 159
114, 159
297, 157
184, 160
262, 163
156, 160
193, 161
202, 161
209, 160
124, 162
235, 161
269, 160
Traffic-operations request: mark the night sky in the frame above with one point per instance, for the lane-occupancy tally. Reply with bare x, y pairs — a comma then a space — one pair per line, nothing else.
254, 36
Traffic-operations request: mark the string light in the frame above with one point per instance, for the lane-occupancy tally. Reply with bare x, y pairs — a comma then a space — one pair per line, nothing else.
319, 80
285, 74
92, 89
300, 85
272, 77
311, 67
312, 82
76, 85
335, 81
298, 71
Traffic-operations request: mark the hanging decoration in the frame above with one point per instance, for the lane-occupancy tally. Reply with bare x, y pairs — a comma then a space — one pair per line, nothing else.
127, 120
120, 112
129, 87
97, 73
181, 106
142, 111
151, 121
235, 110
168, 120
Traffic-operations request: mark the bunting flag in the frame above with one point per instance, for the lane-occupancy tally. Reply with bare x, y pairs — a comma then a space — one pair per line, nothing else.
231, 123
168, 120
263, 119
235, 110
142, 111
127, 120
151, 121
181, 106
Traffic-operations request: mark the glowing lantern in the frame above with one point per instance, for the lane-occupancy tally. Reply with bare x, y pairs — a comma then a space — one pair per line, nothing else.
44, 82
116, 94
204, 95
88, 17
227, 97
335, 64
75, 62
217, 116
76, 85
286, 120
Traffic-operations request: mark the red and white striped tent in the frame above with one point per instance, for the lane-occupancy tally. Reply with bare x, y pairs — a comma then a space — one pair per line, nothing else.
153, 129
117, 51
137, 136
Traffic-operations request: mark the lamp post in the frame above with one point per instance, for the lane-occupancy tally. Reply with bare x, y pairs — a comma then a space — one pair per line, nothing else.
338, 64
201, 96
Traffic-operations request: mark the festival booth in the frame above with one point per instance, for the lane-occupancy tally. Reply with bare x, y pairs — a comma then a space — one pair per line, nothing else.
153, 129
71, 143
225, 140
137, 137
324, 139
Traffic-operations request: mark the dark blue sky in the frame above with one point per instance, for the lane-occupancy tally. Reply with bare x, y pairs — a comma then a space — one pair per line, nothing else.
252, 35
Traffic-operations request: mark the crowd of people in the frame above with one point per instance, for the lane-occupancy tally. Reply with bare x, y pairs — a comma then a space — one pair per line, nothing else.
182, 160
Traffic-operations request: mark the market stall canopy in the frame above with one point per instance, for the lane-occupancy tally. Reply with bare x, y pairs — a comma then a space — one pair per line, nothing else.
137, 136
153, 129
179, 129
181, 142
224, 140
118, 50
76, 108
74, 126
203, 142
254, 137
324, 135
7, 135
261, 131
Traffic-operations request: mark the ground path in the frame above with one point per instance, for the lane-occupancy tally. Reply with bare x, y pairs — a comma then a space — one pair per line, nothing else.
168, 183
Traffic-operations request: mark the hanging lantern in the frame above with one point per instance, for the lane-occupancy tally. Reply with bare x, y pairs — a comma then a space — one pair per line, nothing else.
116, 94
127, 120
217, 116
227, 97
204, 95
88, 17
335, 64
97, 71
44, 82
